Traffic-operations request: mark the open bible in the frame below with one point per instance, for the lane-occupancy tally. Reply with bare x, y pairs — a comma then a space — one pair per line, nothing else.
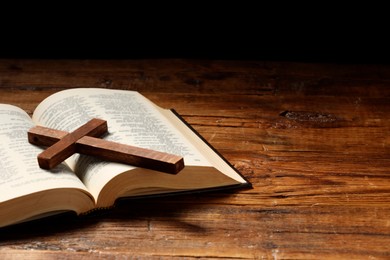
84, 183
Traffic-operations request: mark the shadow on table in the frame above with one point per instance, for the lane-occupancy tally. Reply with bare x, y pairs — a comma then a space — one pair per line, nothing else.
127, 212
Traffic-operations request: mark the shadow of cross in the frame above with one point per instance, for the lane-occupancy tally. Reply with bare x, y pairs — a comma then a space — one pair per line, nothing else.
84, 141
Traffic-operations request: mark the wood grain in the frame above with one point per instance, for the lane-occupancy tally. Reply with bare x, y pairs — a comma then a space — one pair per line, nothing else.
312, 139
136, 156
44, 136
108, 150
66, 146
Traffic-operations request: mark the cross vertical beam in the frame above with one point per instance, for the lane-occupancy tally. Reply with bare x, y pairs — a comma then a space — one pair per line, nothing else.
83, 141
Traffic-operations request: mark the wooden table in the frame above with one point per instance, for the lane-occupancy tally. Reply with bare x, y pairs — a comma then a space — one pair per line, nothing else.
312, 138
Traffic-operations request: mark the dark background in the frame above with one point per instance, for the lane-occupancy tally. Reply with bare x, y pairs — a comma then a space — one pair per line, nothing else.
283, 33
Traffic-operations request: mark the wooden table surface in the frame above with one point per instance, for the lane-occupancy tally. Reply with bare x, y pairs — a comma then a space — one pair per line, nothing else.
313, 139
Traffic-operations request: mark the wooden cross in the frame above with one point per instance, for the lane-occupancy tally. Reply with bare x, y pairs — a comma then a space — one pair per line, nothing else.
83, 140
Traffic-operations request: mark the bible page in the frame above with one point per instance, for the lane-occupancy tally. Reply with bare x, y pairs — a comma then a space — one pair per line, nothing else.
20, 173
